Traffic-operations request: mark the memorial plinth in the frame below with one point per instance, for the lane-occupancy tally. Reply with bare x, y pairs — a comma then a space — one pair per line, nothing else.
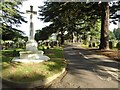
31, 54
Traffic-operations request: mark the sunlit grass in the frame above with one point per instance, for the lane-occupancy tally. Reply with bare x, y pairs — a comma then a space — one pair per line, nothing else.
84, 46
58, 52
7, 55
112, 54
25, 72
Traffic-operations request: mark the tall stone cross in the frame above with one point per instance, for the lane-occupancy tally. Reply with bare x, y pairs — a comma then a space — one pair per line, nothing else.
119, 19
31, 12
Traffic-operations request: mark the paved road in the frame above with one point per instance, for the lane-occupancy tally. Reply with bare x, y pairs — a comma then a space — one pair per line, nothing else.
88, 70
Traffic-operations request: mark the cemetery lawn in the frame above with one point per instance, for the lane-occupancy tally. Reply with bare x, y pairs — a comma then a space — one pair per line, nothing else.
27, 72
112, 54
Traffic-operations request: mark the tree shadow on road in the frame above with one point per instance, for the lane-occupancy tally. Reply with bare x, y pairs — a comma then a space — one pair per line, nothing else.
102, 67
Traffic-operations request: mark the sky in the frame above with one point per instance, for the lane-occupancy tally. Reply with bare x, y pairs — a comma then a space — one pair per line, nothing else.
38, 24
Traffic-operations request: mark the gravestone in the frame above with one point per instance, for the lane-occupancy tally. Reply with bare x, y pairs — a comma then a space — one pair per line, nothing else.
93, 44
51, 44
46, 43
90, 45
57, 43
110, 44
9, 44
40, 42
20, 43
118, 45
1, 45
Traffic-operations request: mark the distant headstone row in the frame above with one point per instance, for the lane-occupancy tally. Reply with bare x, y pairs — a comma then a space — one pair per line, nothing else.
49, 43
12, 45
118, 45
22, 44
113, 44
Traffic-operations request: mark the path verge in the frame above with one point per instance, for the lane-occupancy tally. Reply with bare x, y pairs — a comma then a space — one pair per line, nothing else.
39, 83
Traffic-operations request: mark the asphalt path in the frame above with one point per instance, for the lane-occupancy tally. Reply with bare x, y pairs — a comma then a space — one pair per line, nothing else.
86, 69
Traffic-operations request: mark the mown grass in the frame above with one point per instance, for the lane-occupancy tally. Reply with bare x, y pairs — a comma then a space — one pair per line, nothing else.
112, 54
25, 72
58, 52
7, 55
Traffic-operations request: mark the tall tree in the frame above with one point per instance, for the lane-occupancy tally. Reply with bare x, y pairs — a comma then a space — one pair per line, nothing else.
65, 17
85, 15
9, 16
108, 10
104, 41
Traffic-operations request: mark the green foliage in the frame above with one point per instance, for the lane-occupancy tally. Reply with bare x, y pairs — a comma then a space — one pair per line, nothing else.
78, 17
114, 7
66, 18
9, 33
43, 34
111, 36
58, 52
117, 33
7, 55
10, 15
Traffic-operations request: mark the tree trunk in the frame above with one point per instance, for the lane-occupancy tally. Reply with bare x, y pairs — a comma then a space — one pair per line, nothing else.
77, 37
71, 33
104, 41
62, 37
